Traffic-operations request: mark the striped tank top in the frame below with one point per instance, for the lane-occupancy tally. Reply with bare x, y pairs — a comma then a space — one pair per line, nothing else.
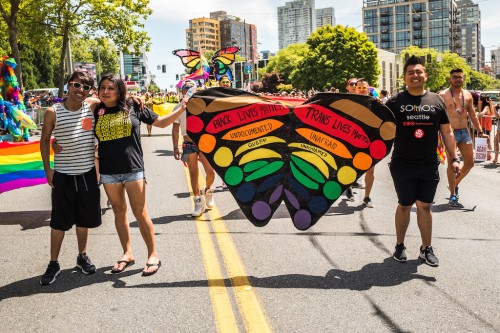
74, 132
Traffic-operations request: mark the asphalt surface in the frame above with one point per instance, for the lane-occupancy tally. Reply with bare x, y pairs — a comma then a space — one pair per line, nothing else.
338, 276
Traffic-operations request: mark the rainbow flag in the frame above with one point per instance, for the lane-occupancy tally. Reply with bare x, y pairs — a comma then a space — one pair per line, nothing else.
21, 165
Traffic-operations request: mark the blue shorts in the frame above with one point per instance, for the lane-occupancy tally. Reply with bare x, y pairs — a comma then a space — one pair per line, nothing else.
462, 135
188, 148
121, 178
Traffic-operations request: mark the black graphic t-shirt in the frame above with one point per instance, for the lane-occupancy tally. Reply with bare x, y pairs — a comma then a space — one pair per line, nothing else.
418, 119
119, 138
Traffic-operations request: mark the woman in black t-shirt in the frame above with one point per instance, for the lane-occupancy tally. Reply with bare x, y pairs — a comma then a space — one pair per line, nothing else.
121, 166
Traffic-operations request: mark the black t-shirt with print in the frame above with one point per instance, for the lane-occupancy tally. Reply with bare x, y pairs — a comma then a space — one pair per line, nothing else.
418, 119
119, 138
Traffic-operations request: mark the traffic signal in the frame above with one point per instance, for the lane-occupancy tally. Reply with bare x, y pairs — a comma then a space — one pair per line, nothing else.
429, 58
177, 77
469, 60
143, 70
493, 57
164, 68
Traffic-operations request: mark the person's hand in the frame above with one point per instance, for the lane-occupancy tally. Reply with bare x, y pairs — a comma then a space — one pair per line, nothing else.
49, 174
177, 154
55, 147
457, 169
139, 101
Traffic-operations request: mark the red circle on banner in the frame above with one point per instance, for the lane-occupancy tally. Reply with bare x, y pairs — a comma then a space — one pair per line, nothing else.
194, 124
378, 150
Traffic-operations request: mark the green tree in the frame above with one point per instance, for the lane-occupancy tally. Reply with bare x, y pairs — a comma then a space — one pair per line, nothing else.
287, 62
481, 81
335, 55
120, 20
100, 51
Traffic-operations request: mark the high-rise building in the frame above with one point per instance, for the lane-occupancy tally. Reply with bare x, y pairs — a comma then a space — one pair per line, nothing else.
296, 22
325, 16
469, 26
395, 25
234, 31
495, 60
135, 68
203, 33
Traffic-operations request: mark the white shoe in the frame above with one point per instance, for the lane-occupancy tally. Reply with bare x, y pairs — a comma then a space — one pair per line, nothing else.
199, 207
209, 200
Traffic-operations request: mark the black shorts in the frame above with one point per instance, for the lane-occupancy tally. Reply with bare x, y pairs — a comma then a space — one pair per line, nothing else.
414, 181
76, 200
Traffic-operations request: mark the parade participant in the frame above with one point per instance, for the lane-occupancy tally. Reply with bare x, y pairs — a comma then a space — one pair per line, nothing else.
190, 155
351, 85
224, 81
363, 88
485, 115
459, 103
420, 115
384, 96
75, 191
117, 128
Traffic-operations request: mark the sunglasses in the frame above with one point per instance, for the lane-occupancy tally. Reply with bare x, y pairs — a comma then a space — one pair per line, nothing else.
361, 88
352, 84
186, 88
78, 85
225, 81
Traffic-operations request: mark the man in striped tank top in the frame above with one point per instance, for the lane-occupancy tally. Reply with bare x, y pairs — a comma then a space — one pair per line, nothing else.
75, 190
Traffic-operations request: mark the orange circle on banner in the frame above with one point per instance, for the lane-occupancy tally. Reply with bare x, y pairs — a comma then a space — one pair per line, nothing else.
362, 161
207, 143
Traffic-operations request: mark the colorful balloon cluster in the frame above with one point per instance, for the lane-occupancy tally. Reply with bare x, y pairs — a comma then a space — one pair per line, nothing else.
13, 117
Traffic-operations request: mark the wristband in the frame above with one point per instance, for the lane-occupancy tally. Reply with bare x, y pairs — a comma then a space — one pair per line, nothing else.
176, 148
455, 159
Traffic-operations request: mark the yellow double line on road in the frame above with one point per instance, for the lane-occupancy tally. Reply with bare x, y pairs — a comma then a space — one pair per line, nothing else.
251, 311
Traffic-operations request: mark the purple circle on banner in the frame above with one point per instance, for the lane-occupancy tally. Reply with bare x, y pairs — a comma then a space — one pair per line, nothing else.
302, 219
261, 210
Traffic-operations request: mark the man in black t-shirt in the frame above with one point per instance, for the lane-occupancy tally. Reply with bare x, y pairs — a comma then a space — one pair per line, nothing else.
420, 115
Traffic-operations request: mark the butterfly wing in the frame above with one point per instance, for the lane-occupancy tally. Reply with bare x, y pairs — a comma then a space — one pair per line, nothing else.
190, 59
222, 60
307, 155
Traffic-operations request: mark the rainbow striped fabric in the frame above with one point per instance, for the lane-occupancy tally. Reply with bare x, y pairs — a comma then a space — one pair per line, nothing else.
21, 165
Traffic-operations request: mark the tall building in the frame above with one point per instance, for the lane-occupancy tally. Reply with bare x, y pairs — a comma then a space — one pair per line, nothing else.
203, 33
469, 26
495, 60
135, 68
234, 31
325, 16
296, 21
395, 25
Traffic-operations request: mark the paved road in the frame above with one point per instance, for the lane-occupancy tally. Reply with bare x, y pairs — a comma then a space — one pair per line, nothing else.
222, 274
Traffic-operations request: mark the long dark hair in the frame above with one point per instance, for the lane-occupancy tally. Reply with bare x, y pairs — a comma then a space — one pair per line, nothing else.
122, 90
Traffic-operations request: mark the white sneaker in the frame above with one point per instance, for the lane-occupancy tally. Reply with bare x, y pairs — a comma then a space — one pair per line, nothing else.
199, 207
209, 200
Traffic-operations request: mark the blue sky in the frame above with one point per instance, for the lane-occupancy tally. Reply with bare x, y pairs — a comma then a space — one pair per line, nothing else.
167, 25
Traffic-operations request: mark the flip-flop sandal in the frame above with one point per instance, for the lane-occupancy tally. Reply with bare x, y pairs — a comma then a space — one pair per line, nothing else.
153, 272
127, 263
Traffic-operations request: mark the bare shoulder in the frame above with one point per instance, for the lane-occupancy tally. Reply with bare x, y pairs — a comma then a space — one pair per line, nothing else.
92, 102
442, 93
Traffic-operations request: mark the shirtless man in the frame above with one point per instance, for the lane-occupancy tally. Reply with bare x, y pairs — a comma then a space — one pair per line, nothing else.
459, 104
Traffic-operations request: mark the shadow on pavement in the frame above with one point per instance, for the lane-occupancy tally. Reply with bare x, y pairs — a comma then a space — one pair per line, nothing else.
164, 152
26, 219
69, 279
385, 274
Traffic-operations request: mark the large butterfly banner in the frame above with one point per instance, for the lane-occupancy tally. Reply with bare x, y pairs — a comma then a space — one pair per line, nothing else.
306, 155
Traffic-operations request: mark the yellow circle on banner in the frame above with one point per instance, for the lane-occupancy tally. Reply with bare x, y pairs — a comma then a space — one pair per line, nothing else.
223, 157
362, 161
346, 175
207, 143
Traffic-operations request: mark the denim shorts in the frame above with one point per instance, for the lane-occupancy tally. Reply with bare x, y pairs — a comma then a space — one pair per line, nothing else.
188, 148
462, 135
121, 178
